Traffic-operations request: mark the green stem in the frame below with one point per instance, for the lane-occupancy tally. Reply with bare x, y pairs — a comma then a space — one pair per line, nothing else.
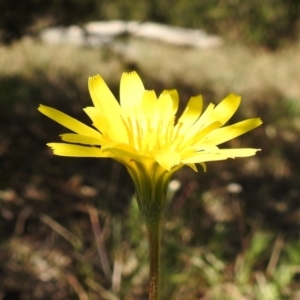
154, 236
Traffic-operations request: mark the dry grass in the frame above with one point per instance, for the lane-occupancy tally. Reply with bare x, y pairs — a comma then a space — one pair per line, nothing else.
231, 67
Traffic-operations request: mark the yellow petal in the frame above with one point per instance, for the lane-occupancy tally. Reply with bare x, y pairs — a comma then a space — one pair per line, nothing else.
149, 104
64, 149
165, 108
204, 121
204, 157
166, 159
236, 152
221, 154
175, 99
191, 112
227, 133
124, 153
226, 109
116, 147
114, 127
205, 131
107, 109
131, 90
189, 152
206, 118
98, 118
102, 97
81, 139
69, 122
196, 139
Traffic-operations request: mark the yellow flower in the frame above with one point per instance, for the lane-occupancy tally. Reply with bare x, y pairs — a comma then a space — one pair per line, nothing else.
142, 127
142, 131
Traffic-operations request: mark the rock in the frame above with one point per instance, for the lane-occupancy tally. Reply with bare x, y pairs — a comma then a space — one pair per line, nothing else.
174, 35
98, 34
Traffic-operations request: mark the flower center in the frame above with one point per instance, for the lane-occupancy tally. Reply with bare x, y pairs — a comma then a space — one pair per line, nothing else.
147, 135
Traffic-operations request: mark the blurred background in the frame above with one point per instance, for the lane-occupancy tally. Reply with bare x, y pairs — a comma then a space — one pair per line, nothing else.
70, 228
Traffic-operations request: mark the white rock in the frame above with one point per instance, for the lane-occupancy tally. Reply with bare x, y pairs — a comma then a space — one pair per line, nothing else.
173, 35
97, 34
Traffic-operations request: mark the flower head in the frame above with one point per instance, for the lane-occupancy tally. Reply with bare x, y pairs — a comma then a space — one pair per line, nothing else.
142, 132
142, 127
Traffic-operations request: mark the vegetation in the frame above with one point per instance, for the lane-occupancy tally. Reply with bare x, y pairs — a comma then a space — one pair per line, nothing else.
229, 233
